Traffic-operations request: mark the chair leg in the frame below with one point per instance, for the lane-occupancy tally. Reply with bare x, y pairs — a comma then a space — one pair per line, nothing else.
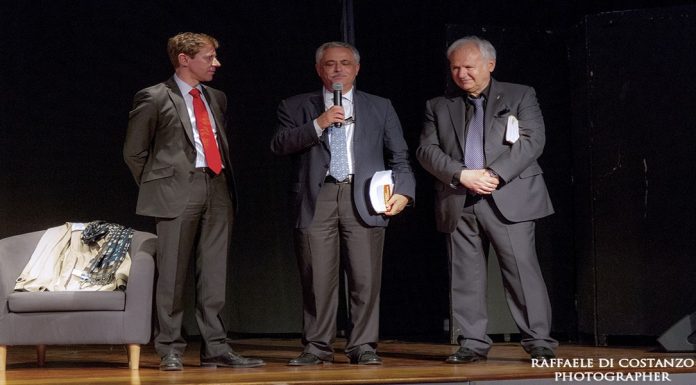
133, 356
3, 357
41, 355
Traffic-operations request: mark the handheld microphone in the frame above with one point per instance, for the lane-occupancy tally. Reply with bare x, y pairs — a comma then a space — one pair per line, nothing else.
338, 98
337, 91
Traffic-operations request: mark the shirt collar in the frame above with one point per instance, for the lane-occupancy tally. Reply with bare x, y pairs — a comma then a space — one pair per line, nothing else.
185, 87
484, 94
328, 96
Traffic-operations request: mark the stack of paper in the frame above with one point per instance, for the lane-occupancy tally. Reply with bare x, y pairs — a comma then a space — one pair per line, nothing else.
381, 189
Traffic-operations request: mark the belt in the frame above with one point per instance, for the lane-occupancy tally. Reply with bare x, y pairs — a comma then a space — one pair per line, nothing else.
330, 179
472, 199
206, 170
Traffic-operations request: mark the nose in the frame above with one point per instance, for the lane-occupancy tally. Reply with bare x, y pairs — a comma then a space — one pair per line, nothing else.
216, 63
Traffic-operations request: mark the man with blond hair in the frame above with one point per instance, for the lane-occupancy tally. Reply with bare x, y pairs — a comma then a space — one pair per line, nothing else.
176, 148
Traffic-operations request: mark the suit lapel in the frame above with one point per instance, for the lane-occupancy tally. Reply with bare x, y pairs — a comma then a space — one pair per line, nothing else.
316, 108
180, 106
494, 106
316, 104
360, 110
218, 116
456, 110
214, 106
217, 113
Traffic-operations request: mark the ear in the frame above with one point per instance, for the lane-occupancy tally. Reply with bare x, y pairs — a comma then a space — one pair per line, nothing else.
357, 69
491, 65
183, 60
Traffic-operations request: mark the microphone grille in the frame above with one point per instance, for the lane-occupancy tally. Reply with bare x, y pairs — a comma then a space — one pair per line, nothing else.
337, 86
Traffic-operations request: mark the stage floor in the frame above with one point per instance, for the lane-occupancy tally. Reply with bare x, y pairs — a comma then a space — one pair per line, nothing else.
404, 363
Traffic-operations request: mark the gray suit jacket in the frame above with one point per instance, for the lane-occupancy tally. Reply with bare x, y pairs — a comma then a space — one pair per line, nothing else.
159, 147
522, 194
377, 132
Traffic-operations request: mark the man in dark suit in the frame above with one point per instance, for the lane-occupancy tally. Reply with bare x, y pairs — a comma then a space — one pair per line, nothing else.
176, 148
329, 202
489, 190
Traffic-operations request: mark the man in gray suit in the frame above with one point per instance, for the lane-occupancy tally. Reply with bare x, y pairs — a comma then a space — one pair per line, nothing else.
176, 148
329, 204
489, 190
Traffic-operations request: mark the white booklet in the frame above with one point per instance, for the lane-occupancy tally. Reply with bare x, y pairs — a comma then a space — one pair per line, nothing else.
381, 189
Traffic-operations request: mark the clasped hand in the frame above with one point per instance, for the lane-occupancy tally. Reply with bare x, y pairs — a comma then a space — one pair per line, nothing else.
479, 181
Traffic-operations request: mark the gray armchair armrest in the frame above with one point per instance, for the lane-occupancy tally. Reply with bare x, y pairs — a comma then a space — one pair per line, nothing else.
140, 287
15, 252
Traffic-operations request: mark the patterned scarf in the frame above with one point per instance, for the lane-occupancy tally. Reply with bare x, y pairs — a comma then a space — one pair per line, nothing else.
102, 268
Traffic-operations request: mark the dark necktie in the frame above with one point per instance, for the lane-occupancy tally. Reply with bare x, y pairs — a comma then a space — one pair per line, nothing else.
205, 132
474, 156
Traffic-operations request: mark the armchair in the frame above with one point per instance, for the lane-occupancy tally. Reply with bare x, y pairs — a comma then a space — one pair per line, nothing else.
75, 317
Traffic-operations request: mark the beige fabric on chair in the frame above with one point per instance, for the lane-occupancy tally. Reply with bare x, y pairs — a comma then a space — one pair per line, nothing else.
59, 258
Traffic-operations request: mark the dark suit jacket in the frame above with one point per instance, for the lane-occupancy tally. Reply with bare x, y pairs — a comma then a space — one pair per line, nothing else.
377, 132
522, 194
159, 147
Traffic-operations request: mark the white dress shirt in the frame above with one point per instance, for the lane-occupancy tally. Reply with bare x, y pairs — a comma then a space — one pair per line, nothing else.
347, 104
188, 98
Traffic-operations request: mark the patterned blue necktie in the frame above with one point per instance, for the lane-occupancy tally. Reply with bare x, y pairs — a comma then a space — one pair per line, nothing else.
339, 152
474, 157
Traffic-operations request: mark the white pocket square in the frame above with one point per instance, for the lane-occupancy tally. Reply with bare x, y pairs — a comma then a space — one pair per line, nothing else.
512, 133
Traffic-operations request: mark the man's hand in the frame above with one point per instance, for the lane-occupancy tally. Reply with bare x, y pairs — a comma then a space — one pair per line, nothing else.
479, 181
396, 204
335, 114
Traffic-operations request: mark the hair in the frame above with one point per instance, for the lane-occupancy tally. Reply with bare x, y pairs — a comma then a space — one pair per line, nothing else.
188, 43
335, 44
485, 46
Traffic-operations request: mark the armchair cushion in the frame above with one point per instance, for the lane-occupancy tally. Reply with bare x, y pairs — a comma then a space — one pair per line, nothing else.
48, 301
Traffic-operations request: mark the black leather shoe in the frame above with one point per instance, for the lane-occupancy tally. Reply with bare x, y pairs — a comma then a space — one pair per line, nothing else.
171, 362
231, 360
464, 356
542, 353
307, 359
367, 358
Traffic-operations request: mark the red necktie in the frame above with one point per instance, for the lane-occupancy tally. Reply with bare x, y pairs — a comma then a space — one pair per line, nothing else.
205, 131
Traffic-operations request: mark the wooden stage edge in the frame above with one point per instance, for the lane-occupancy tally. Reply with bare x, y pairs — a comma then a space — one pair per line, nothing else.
404, 363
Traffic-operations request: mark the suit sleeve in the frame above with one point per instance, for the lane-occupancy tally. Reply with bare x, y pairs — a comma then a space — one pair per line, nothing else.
521, 154
142, 121
291, 137
430, 152
397, 155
